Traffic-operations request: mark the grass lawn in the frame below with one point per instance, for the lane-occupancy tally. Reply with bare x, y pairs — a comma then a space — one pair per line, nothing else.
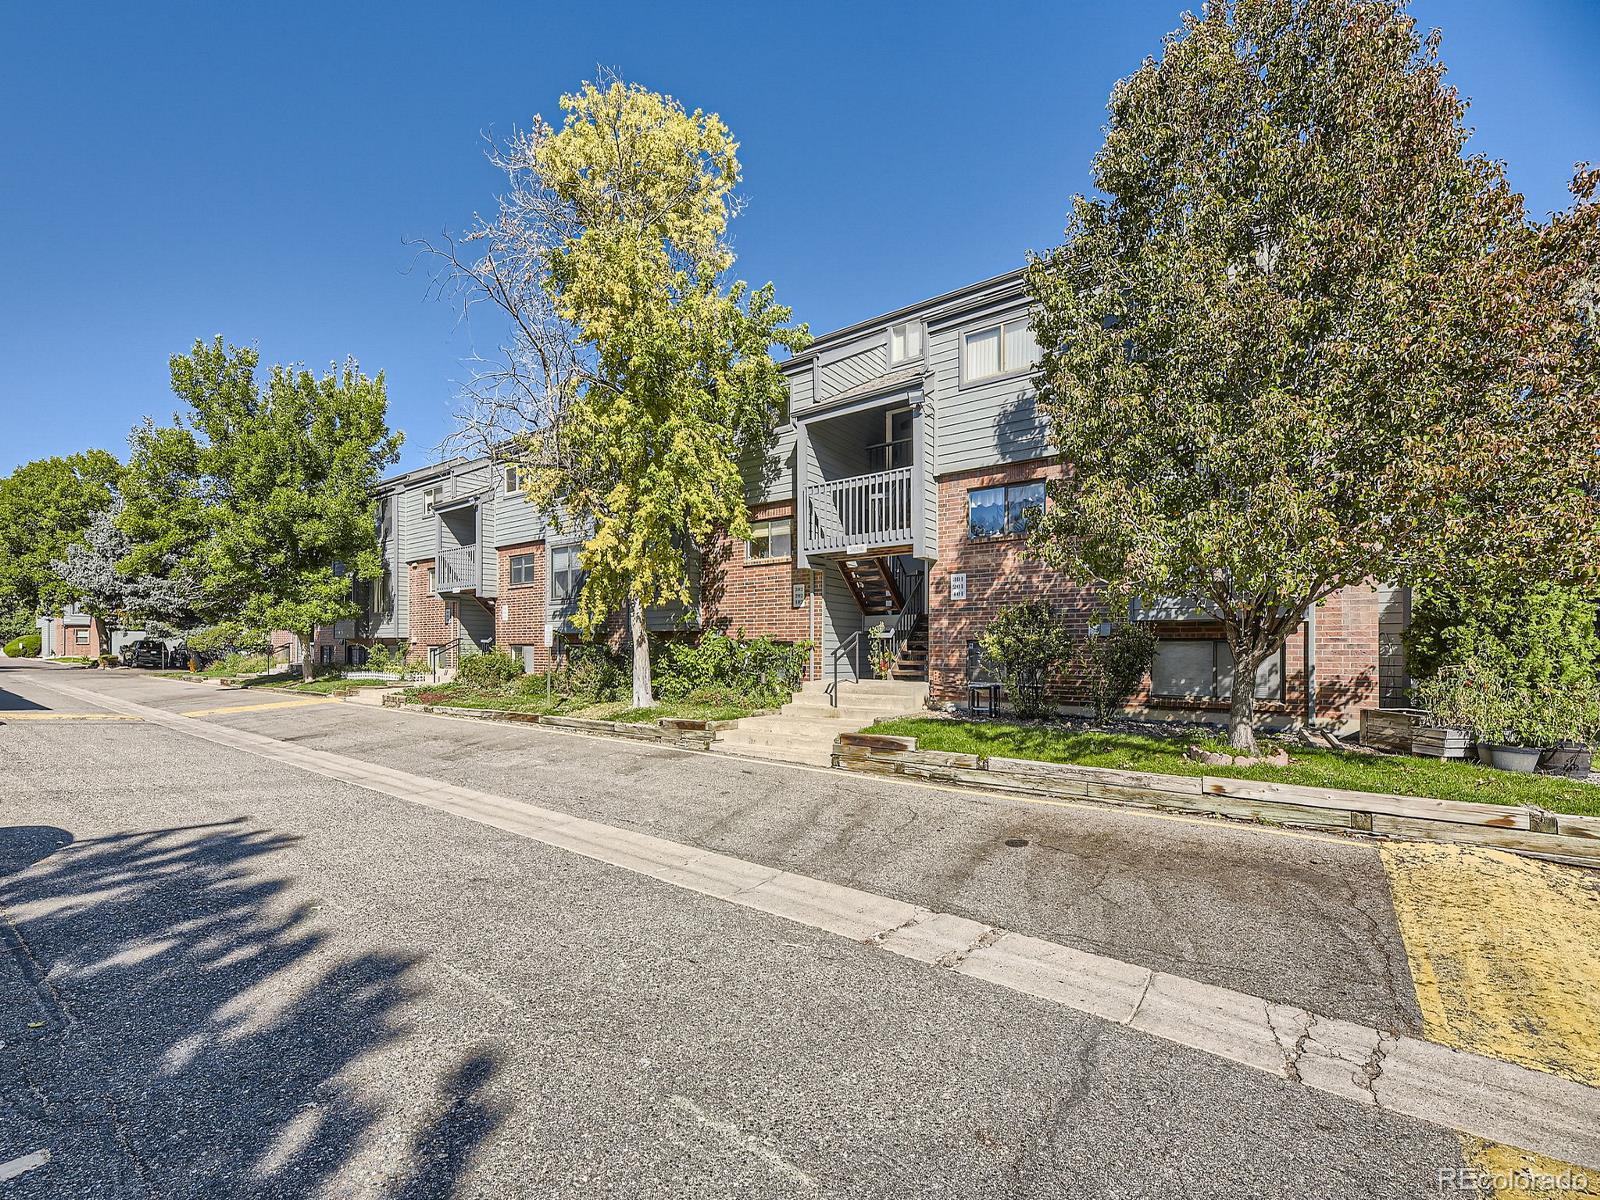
515, 697
1396, 774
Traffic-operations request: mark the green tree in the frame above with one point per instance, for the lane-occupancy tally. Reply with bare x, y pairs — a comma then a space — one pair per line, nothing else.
638, 375
46, 506
94, 575
1302, 341
1532, 638
270, 488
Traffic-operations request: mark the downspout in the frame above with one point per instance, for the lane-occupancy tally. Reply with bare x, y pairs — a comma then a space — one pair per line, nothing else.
1310, 627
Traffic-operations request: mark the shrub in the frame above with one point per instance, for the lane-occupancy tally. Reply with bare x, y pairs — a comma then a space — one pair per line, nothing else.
238, 663
1027, 645
26, 646
1476, 695
225, 639
592, 673
389, 659
1533, 639
759, 671
488, 670
1113, 664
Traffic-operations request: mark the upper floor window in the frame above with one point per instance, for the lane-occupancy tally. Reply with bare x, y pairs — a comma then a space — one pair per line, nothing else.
430, 497
998, 350
566, 574
998, 511
521, 570
905, 341
770, 539
513, 479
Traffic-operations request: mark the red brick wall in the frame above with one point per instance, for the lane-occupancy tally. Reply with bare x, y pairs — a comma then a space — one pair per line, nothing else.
758, 597
427, 613
999, 573
65, 642
520, 611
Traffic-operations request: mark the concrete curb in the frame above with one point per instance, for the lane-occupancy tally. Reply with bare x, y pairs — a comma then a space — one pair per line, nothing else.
682, 732
1526, 830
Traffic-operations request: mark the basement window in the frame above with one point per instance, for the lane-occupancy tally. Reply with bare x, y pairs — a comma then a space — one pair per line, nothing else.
1202, 669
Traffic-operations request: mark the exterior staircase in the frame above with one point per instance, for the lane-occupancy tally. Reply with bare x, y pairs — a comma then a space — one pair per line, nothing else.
872, 583
803, 730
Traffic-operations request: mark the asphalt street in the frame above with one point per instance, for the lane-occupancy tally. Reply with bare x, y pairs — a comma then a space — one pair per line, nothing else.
228, 977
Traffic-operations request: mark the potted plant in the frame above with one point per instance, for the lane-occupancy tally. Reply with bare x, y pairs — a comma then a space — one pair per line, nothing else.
1521, 725
880, 650
1453, 701
1574, 725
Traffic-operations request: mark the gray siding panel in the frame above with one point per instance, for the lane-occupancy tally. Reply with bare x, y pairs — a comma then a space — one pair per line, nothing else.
488, 557
841, 616
866, 363
777, 483
417, 538
516, 521
983, 424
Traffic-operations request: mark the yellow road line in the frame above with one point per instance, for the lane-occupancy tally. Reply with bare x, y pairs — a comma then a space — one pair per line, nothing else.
1505, 959
240, 708
65, 716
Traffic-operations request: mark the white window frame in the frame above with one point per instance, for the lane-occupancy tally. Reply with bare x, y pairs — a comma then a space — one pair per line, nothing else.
511, 479
750, 554
431, 497
1006, 369
433, 581
571, 553
906, 330
511, 570
80, 637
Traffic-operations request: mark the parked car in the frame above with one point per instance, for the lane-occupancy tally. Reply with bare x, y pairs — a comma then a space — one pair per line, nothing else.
146, 652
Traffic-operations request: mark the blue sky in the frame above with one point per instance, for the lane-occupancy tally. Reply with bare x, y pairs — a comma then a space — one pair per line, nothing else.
176, 170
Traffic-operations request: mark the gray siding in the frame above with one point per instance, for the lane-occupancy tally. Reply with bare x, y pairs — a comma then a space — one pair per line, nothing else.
515, 521
488, 557
841, 616
417, 535
760, 488
983, 424
859, 363
929, 449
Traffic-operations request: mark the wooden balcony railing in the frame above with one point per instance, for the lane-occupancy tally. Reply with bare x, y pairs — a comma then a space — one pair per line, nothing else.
457, 569
864, 512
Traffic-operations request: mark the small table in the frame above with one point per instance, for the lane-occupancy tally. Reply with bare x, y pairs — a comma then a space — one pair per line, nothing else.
983, 699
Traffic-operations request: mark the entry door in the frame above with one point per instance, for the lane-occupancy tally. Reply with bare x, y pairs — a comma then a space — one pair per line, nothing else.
897, 436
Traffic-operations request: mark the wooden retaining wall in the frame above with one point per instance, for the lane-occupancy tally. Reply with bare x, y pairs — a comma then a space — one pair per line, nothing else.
1521, 829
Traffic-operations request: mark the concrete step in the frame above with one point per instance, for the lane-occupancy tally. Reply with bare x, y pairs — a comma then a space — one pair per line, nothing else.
876, 705
867, 687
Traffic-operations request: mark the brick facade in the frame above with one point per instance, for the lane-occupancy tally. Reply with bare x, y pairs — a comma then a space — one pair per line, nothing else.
520, 611
758, 596
429, 616
998, 572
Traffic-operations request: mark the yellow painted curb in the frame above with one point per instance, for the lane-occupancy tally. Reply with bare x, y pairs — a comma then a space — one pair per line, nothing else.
1505, 958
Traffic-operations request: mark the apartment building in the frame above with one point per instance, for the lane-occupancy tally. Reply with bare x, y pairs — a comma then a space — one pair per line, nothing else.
895, 494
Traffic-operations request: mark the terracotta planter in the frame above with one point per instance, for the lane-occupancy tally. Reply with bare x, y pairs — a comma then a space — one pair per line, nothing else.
1524, 760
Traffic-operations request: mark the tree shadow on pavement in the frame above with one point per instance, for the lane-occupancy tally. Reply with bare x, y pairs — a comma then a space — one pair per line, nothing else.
185, 1029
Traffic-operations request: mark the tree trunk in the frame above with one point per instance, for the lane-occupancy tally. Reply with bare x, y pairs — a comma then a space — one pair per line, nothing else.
639, 635
103, 626
1242, 712
308, 661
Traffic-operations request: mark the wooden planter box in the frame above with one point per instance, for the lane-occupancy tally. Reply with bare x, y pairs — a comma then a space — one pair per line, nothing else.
1434, 742
1389, 728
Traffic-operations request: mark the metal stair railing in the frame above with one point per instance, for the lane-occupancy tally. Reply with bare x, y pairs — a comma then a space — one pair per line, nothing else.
446, 657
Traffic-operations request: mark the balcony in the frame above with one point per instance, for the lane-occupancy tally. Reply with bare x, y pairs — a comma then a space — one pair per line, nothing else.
858, 514
457, 570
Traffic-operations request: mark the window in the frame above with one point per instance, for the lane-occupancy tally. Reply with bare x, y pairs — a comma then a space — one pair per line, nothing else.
430, 497
325, 655
81, 636
1202, 669
998, 350
521, 570
566, 575
513, 479
769, 540
999, 511
433, 588
905, 341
